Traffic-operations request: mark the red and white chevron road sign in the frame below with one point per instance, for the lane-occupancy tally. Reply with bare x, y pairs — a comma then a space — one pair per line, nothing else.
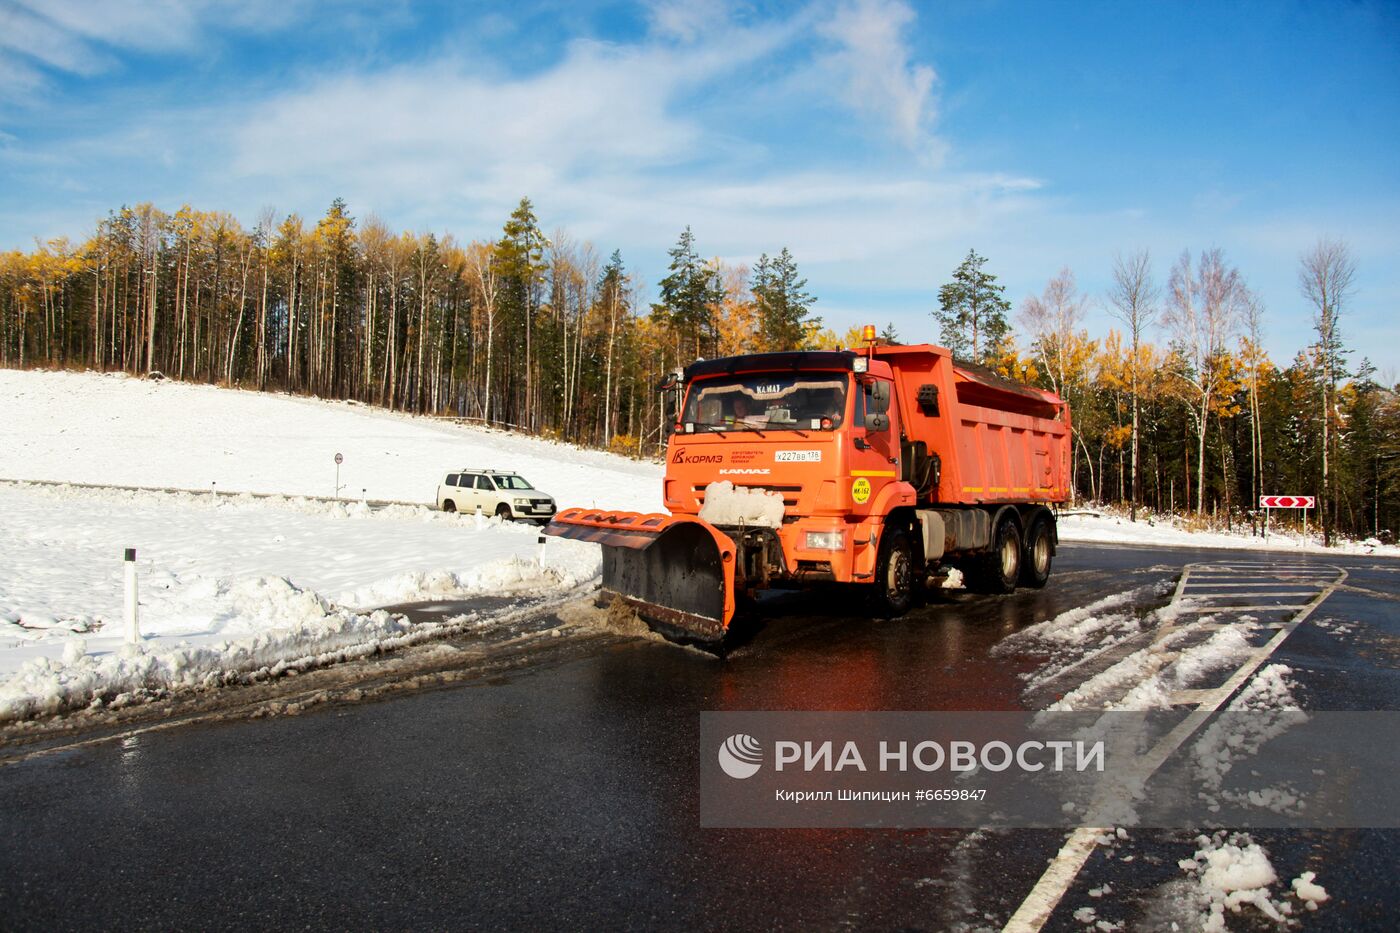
1287, 502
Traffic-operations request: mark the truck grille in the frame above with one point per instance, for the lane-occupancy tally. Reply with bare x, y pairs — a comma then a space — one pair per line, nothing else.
790, 493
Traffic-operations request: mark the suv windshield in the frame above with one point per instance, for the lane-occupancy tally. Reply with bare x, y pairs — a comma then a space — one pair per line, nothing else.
760, 401
511, 482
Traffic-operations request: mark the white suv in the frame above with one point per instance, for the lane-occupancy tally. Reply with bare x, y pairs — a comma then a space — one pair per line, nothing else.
505, 494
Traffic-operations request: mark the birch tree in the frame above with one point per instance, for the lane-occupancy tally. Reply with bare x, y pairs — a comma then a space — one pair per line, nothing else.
1326, 276
1133, 298
1203, 311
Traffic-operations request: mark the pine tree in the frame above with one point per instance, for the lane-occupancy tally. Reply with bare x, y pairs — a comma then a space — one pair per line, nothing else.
689, 295
520, 256
971, 311
784, 308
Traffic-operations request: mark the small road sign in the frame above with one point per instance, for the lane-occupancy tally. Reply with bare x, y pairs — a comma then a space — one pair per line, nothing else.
339, 459
1287, 502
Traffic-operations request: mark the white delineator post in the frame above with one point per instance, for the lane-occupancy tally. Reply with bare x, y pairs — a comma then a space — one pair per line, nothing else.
542, 541
133, 624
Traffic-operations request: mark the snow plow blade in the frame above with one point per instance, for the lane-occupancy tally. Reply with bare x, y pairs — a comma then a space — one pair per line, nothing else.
675, 570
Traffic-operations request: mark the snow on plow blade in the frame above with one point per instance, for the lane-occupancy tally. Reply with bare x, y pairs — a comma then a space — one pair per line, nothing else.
676, 570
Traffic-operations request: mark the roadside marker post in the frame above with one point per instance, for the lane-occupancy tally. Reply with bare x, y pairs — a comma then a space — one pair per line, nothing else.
338, 461
133, 625
542, 540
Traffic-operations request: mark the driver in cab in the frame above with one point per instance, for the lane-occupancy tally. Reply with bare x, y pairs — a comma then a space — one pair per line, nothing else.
745, 415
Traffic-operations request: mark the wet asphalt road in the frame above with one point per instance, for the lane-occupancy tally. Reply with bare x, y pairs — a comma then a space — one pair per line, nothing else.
563, 795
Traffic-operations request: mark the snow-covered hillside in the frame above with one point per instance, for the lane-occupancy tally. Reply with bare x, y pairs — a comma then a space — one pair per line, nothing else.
112, 429
232, 584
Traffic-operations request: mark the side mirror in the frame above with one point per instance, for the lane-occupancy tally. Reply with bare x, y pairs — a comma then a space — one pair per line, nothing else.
875, 421
880, 397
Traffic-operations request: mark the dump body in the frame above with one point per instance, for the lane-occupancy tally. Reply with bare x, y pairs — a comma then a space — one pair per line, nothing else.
997, 441
870, 467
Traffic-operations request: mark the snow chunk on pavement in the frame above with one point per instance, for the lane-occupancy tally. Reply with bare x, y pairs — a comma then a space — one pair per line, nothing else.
1309, 892
1231, 874
726, 504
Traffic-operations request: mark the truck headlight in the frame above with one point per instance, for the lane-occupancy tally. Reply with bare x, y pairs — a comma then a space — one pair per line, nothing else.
826, 540
522, 503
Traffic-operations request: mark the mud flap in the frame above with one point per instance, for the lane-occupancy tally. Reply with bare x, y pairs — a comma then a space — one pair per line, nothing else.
675, 570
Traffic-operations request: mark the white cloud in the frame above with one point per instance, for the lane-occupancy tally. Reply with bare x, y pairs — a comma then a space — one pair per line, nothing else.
31, 36
687, 20
873, 61
85, 37
430, 130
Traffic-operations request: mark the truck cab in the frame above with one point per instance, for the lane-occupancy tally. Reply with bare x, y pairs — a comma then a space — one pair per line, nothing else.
809, 427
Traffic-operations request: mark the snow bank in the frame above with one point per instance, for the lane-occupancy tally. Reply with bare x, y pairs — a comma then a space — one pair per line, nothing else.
281, 627
1112, 527
726, 504
231, 584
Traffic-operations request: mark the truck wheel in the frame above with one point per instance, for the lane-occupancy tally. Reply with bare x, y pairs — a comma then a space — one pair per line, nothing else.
503, 512
894, 575
449, 506
998, 569
1035, 562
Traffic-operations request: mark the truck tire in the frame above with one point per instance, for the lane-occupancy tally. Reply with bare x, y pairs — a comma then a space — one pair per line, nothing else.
448, 505
503, 512
894, 575
997, 571
1039, 551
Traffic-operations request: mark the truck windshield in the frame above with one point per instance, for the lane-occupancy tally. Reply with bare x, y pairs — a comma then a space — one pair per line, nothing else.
512, 482
768, 401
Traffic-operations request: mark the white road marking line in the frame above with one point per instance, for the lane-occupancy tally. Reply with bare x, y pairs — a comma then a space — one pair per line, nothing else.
1240, 586
1237, 609
1048, 891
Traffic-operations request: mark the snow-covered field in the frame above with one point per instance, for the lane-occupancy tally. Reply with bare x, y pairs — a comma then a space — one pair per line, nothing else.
232, 583
114, 430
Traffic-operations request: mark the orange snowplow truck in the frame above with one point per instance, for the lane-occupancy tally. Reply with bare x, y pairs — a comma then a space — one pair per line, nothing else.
882, 468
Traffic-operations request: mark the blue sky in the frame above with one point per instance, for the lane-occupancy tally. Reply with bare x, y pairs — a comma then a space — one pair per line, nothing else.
878, 140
